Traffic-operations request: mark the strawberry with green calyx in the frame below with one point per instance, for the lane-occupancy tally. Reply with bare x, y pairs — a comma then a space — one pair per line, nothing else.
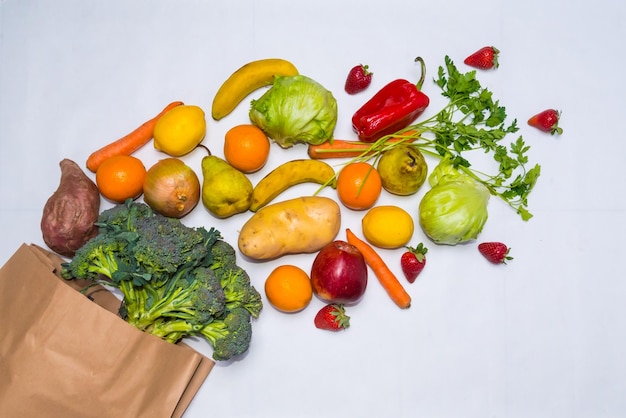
495, 252
413, 261
547, 121
332, 317
359, 78
485, 58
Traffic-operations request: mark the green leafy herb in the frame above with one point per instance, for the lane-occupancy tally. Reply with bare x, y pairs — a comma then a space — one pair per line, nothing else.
472, 120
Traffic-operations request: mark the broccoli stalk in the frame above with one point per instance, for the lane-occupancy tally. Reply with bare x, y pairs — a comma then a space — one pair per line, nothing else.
229, 336
194, 295
174, 331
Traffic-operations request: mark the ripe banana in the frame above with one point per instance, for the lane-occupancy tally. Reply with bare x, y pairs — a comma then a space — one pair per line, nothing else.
247, 79
289, 174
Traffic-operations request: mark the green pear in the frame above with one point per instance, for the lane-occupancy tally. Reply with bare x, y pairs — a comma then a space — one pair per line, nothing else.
402, 170
226, 191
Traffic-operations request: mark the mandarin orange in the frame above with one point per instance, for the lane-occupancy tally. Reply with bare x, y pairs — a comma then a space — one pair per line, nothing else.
359, 185
288, 288
121, 177
246, 147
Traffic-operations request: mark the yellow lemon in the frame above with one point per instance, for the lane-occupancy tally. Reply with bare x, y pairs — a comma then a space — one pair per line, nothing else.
180, 130
388, 226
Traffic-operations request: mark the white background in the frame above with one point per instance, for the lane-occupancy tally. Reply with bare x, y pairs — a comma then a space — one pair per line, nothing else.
540, 337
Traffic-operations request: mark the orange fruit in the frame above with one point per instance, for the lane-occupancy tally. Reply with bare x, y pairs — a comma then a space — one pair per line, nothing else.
359, 185
120, 178
246, 147
288, 288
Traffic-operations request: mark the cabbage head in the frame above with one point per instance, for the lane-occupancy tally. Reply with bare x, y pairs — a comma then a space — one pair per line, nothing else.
454, 210
295, 109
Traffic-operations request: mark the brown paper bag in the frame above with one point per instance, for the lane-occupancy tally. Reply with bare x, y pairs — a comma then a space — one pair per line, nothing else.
62, 355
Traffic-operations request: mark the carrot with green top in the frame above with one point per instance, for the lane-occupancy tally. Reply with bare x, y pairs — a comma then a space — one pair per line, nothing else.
129, 143
385, 276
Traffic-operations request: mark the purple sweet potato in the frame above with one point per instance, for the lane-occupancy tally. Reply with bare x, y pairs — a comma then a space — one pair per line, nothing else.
70, 213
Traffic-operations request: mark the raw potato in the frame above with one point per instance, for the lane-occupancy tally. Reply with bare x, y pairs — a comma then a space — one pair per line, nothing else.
69, 214
301, 225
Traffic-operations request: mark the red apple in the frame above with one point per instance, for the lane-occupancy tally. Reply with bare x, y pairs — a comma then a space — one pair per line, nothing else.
339, 273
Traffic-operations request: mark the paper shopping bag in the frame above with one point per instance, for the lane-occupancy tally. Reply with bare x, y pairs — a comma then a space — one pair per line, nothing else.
63, 354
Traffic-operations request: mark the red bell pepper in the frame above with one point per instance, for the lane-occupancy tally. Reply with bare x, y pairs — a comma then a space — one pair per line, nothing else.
394, 107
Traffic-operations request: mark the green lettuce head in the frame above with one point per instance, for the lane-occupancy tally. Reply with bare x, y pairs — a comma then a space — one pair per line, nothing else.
295, 109
445, 172
454, 210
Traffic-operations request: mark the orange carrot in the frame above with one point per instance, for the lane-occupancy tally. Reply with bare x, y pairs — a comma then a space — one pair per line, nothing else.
129, 143
341, 148
385, 276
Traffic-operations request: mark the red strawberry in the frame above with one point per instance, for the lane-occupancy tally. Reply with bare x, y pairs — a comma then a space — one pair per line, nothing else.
413, 261
547, 121
359, 78
485, 58
332, 317
495, 252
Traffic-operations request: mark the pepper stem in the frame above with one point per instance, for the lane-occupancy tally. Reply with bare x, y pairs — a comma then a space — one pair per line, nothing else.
423, 65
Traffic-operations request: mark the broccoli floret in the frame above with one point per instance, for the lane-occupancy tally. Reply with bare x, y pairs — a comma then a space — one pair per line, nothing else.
223, 254
123, 217
208, 300
235, 281
102, 256
240, 292
231, 335
224, 258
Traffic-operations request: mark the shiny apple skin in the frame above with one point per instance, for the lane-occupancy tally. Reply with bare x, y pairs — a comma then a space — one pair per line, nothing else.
339, 273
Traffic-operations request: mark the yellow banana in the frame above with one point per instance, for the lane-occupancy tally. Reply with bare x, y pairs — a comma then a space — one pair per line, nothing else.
247, 79
289, 174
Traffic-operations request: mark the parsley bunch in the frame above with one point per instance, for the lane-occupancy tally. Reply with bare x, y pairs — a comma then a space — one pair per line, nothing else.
471, 120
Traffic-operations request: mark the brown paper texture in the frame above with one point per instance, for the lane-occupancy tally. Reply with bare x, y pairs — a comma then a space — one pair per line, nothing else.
63, 355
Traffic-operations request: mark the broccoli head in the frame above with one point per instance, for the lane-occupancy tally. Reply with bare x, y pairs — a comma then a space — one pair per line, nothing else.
231, 335
164, 245
176, 281
161, 245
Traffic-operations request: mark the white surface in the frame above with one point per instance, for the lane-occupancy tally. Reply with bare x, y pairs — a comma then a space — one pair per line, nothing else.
540, 337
